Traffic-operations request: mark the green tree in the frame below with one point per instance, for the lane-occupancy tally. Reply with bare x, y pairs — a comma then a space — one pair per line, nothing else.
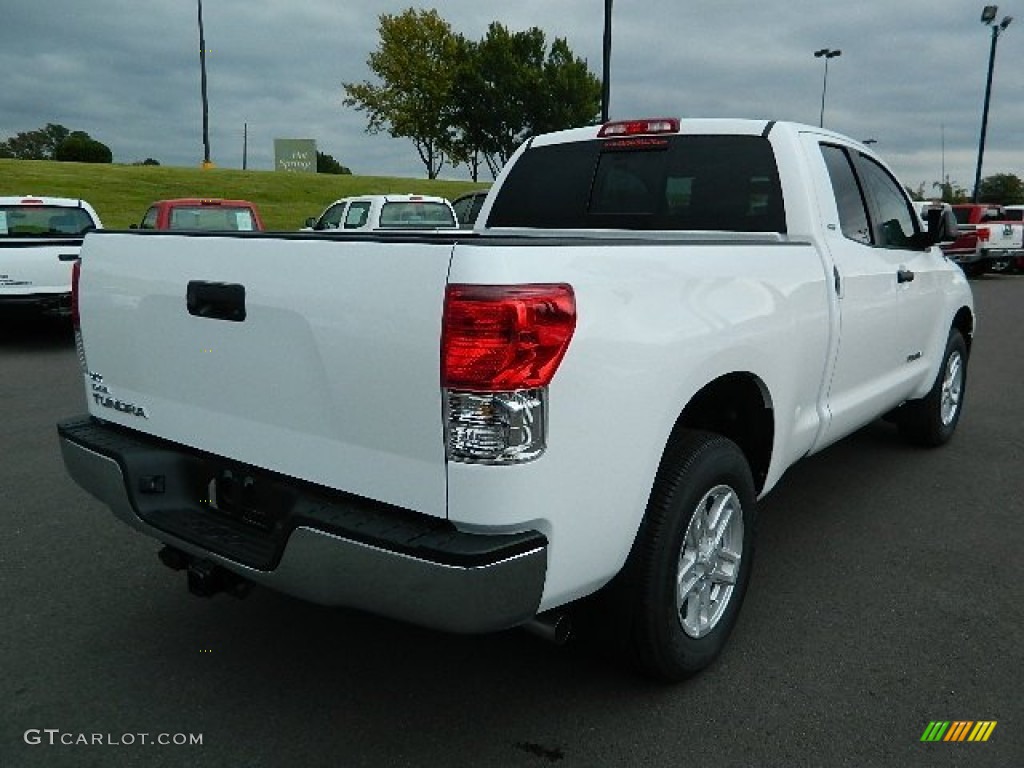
414, 62
327, 164
80, 147
40, 144
509, 86
1002, 188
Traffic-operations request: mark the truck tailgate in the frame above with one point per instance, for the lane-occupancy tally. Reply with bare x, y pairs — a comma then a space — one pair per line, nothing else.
1004, 236
37, 266
316, 358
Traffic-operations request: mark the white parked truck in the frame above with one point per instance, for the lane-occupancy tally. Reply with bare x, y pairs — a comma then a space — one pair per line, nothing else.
373, 212
40, 237
582, 398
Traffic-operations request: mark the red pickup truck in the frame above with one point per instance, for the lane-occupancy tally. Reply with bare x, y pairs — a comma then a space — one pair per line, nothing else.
203, 214
989, 240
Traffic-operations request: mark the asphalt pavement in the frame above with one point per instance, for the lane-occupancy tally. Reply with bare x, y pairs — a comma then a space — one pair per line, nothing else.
888, 593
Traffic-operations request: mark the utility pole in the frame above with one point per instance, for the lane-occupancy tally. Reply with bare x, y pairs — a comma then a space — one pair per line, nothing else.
607, 61
827, 54
988, 15
206, 106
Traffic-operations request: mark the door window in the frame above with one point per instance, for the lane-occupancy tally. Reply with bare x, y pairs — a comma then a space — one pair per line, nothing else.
332, 217
896, 221
149, 220
853, 215
356, 216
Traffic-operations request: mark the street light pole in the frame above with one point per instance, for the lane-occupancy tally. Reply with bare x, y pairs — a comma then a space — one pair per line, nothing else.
202, 82
606, 61
827, 54
988, 15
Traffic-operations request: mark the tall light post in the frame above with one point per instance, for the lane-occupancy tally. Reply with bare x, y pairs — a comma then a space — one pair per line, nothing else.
606, 59
202, 84
988, 16
825, 53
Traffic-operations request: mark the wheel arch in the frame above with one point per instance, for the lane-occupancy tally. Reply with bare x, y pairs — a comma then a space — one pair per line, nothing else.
737, 406
963, 321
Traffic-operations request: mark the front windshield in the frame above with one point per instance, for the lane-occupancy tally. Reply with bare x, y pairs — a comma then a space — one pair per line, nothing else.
43, 221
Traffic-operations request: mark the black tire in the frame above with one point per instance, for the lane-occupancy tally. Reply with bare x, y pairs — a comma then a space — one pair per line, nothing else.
974, 269
932, 420
699, 471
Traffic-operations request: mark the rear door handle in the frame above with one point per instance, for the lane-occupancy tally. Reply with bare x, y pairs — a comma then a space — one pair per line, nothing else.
216, 301
904, 275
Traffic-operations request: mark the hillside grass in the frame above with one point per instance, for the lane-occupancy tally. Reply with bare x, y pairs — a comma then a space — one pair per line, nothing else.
122, 193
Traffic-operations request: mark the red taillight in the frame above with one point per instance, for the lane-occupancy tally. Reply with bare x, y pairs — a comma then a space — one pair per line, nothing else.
636, 127
76, 269
31, 201
505, 337
984, 234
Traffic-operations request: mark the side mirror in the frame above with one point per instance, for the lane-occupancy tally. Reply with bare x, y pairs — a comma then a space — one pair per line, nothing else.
311, 222
942, 225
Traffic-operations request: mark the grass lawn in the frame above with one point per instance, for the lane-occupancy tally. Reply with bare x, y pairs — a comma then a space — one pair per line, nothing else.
122, 193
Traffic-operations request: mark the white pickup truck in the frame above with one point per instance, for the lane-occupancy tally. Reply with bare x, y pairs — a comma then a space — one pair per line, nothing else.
581, 398
40, 237
383, 212
1001, 243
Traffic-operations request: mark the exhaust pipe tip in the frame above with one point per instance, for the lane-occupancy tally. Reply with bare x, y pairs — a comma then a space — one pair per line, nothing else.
553, 626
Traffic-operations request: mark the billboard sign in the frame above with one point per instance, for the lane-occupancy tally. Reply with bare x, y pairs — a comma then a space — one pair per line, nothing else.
296, 155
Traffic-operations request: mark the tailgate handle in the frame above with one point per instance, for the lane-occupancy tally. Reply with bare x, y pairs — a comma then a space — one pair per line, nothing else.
217, 301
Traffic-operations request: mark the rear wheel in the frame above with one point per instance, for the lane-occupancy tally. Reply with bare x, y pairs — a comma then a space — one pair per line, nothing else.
932, 420
681, 589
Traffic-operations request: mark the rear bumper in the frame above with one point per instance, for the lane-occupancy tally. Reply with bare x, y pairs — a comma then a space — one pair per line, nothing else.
322, 546
49, 303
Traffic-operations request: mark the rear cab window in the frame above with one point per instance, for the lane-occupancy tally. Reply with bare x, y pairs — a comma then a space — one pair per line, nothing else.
212, 218
416, 214
695, 182
44, 221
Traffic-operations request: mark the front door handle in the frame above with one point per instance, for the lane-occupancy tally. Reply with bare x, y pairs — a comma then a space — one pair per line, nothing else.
904, 275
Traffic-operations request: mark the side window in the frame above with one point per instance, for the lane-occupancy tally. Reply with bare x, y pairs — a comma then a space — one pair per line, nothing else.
462, 208
332, 217
356, 216
474, 211
149, 220
853, 216
896, 222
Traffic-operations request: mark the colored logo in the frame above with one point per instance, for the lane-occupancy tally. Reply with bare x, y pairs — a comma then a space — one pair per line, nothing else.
958, 730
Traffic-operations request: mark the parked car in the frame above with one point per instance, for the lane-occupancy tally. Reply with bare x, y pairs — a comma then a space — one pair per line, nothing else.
467, 207
39, 240
972, 250
1008, 233
374, 212
205, 214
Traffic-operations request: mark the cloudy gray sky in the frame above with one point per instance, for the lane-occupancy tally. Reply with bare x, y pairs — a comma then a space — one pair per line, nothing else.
911, 74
